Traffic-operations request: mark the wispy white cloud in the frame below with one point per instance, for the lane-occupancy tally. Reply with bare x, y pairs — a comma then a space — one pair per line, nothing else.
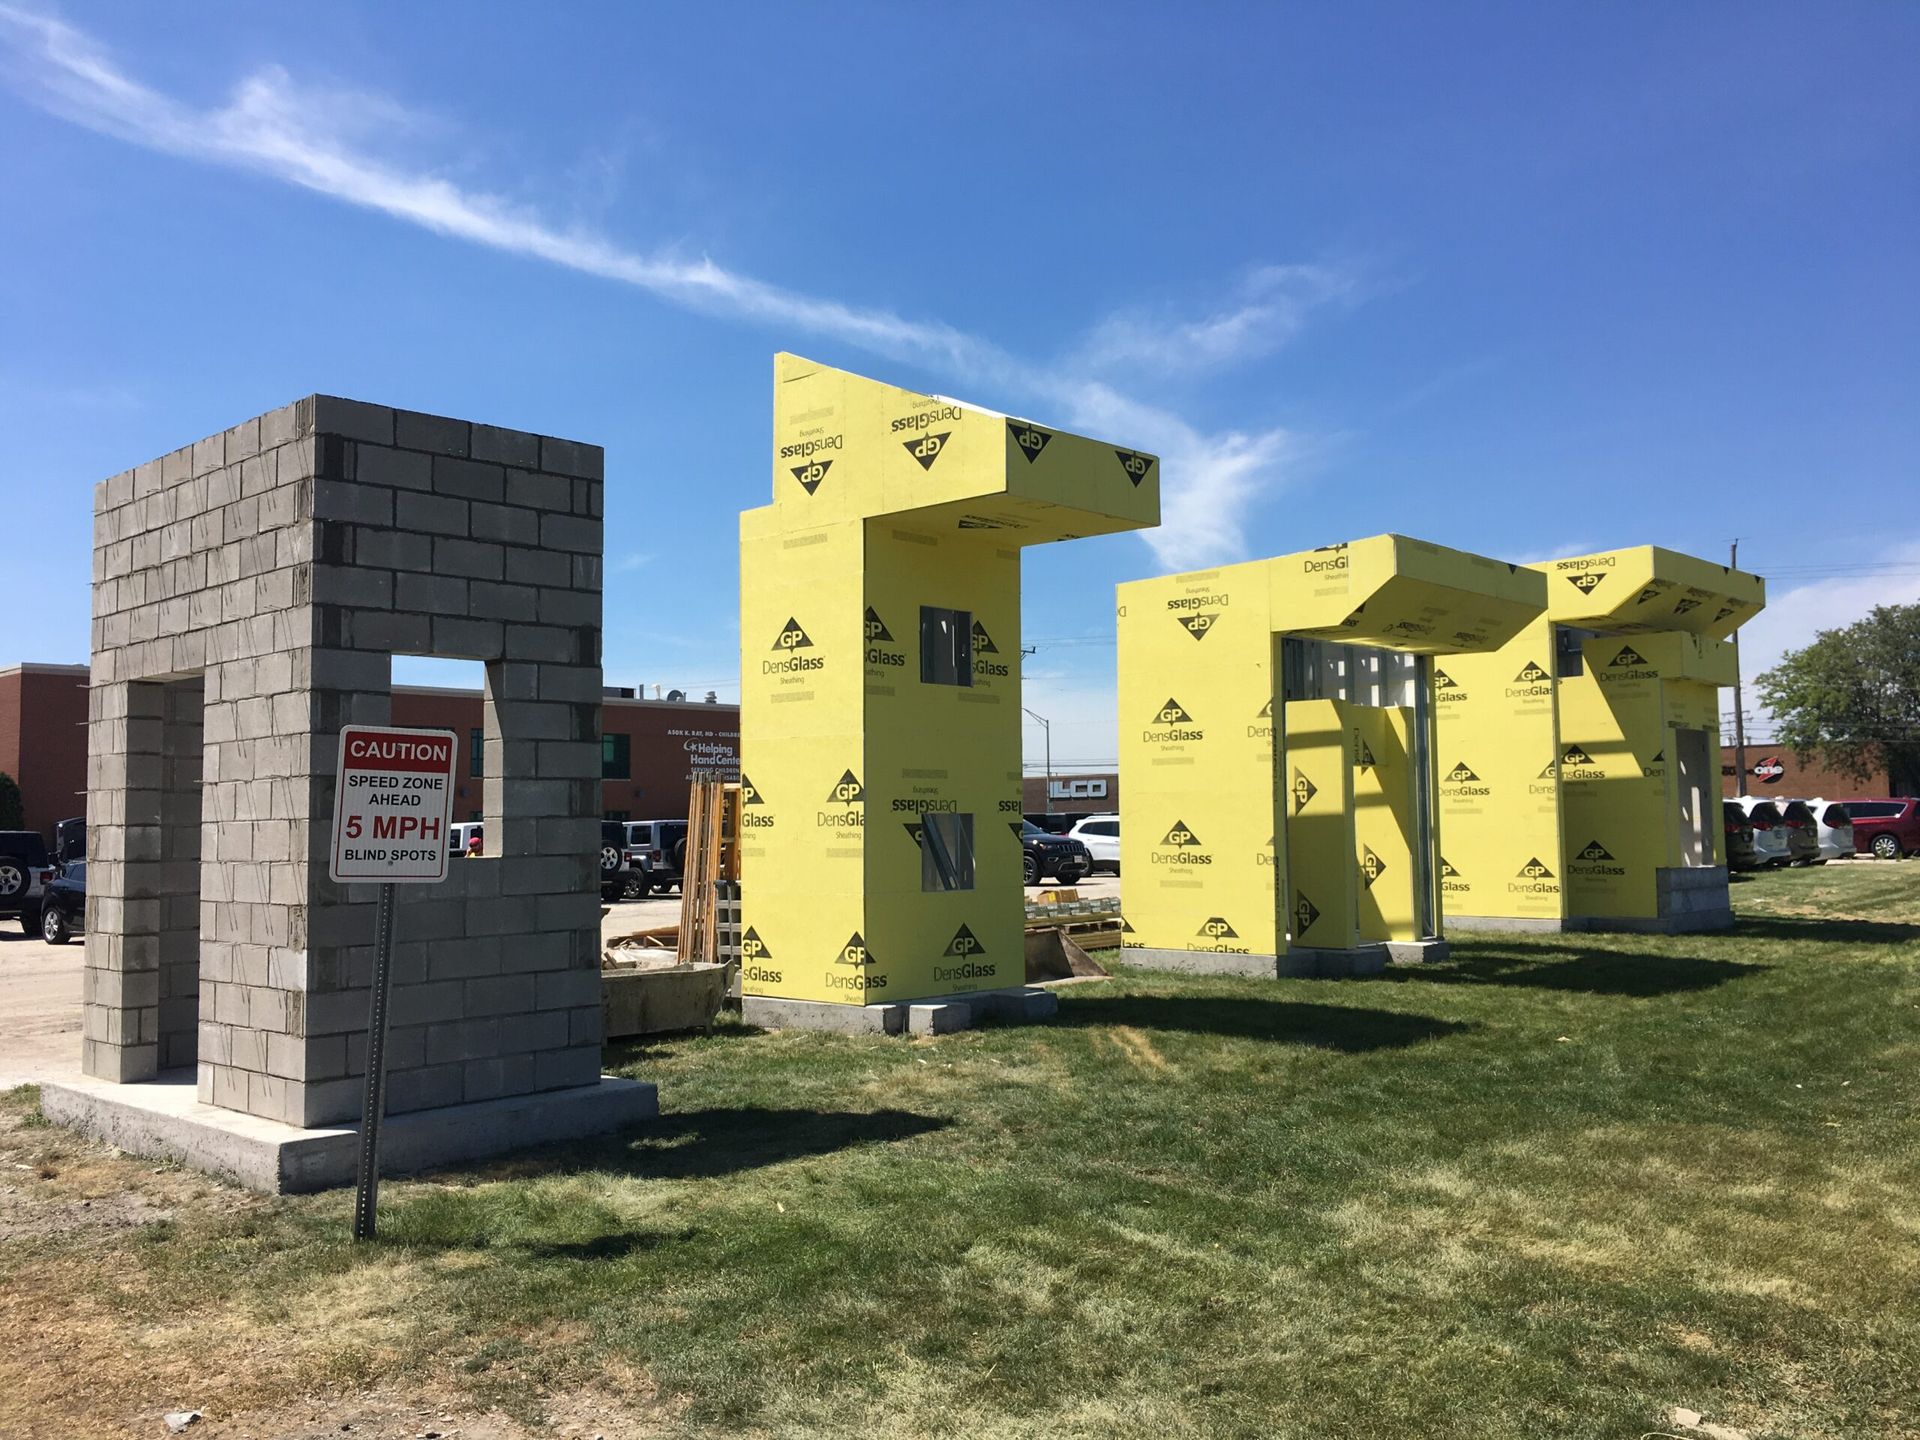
326, 142
1558, 552
633, 560
1269, 308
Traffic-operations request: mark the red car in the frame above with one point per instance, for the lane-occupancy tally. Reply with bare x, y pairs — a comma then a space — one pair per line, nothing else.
1886, 828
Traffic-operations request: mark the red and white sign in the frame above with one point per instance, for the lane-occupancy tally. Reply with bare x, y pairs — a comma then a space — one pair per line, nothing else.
392, 805
1769, 770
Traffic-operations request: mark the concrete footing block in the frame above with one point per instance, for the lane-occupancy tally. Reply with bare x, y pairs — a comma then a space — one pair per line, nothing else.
937, 1015
1511, 925
1294, 965
164, 1119
1418, 952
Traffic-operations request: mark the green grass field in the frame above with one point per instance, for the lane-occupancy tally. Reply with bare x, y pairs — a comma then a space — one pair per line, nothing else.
1552, 1187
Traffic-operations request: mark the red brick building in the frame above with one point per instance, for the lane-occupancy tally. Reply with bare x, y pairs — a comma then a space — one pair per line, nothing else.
648, 748
43, 740
1778, 770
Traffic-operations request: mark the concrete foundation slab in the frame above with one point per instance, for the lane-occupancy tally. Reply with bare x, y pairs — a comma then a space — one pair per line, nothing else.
1295, 964
1023, 1005
164, 1118
1510, 924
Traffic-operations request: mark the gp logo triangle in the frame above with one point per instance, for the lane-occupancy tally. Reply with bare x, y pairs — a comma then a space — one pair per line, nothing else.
916, 830
854, 952
1304, 913
1447, 872
1444, 681
749, 792
1595, 851
1461, 775
877, 628
792, 637
927, 448
1199, 623
1363, 753
1029, 437
1530, 674
1372, 867
846, 790
1215, 927
964, 944
1136, 465
1179, 836
983, 642
752, 947
1534, 870
1627, 656
811, 474
1171, 713
1587, 581
1574, 755
1303, 790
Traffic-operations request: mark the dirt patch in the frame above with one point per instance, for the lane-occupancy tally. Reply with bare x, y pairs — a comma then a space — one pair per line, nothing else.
26, 1214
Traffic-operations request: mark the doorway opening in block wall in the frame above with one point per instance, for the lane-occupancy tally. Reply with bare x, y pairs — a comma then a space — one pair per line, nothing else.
162, 846
430, 693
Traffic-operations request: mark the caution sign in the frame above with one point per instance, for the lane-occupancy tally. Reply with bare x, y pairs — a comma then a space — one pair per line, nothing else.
391, 806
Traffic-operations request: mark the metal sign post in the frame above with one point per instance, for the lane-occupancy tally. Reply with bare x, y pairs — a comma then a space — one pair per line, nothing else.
391, 807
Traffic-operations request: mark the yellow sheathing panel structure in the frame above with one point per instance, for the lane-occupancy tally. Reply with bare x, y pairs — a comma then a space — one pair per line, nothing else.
1646, 588
1619, 825
1498, 745
1240, 837
894, 511
1197, 842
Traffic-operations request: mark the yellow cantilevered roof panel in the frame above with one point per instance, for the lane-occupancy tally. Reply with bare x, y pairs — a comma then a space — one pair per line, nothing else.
847, 447
1647, 588
1403, 594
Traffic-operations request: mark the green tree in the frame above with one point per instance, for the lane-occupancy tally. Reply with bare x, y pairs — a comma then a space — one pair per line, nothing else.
13, 815
1853, 695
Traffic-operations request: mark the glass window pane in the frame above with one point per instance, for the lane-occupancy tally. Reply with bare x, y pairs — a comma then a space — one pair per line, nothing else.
946, 852
946, 646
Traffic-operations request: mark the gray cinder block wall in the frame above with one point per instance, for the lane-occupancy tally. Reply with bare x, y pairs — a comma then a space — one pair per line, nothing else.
249, 591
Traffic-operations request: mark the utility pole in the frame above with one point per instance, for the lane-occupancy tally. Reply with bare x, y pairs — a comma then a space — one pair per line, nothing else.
1739, 703
1046, 729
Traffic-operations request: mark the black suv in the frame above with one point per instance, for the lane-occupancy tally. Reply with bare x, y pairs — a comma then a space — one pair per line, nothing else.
1067, 861
662, 844
25, 868
616, 870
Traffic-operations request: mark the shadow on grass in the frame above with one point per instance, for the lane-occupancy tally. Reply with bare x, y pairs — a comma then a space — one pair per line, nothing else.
1817, 931
1588, 972
707, 1144
1347, 1028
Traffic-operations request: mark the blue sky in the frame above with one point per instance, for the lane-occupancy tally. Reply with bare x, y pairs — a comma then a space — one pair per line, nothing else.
1525, 279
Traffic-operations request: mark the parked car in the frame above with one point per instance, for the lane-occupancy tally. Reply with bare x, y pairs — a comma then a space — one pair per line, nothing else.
63, 908
1741, 854
1769, 829
1101, 835
461, 838
1051, 855
1053, 824
25, 869
1888, 828
616, 869
1803, 833
69, 840
1833, 829
662, 846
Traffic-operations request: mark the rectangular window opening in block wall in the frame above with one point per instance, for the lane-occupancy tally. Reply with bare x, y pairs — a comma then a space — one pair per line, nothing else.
433, 693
